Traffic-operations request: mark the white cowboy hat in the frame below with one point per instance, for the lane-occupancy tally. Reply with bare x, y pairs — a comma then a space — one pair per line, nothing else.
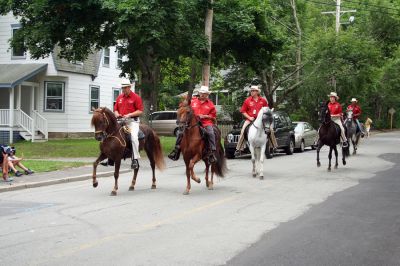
255, 88
195, 92
204, 89
354, 100
125, 82
333, 94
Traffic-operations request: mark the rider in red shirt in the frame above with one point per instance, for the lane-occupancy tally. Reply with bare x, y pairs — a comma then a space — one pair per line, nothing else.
335, 110
356, 113
129, 105
250, 108
204, 108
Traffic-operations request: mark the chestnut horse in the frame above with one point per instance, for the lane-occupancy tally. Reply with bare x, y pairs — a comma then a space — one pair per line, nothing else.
193, 147
115, 145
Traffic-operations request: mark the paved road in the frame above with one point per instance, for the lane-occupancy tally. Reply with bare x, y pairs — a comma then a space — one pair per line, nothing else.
74, 223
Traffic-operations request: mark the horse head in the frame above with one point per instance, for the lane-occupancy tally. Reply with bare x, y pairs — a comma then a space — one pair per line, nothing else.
324, 114
185, 116
103, 121
267, 118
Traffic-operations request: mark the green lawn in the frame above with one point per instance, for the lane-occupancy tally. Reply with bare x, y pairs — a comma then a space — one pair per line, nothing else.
68, 148
71, 148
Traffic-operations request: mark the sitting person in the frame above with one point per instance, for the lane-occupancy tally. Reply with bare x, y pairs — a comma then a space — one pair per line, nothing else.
14, 161
5, 150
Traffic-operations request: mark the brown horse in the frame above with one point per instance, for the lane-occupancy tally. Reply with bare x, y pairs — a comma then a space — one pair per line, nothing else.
193, 148
115, 145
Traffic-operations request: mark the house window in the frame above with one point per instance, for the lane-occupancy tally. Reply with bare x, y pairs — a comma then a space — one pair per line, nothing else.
116, 93
18, 52
94, 97
119, 59
54, 96
106, 57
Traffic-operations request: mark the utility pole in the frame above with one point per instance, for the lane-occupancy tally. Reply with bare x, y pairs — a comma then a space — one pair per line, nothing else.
337, 14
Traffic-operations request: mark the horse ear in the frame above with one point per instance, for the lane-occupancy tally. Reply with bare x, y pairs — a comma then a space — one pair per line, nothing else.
272, 109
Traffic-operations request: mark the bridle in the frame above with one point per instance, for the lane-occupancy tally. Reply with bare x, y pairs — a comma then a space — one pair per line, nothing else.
106, 135
185, 125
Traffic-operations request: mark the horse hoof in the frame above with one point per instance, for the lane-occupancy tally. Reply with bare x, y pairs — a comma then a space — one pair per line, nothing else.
261, 177
336, 166
344, 162
254, 175
318, 164
95, 184
153, 186
210, 188
113, 193
186, 192
131, 188
207, 184
329, 169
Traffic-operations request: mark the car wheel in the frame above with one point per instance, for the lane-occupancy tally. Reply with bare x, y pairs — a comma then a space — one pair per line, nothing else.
230, 154
302, 146
269, 151
290, 149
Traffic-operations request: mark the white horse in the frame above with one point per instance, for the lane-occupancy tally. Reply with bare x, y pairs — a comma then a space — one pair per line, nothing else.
257, 138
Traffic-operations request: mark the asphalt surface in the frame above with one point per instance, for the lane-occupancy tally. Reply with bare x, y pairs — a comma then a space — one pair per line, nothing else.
358, 226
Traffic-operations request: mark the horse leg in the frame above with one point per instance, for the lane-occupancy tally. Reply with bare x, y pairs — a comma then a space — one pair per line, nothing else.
207, 171
193, 161
188, 186
319, 146
253, 160
336, 157
133, 183
262, 156
101, 157
343, 157
116, 175
153, 169
330, 158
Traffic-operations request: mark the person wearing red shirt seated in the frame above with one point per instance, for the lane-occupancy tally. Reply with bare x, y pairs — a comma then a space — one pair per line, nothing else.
250, 108
336, 112
129, 105
356, 109
204, 108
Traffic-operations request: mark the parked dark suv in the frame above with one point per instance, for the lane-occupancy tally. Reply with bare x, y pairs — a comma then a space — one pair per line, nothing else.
284, 133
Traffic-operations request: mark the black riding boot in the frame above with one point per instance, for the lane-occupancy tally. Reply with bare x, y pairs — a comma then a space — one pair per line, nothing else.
174, 155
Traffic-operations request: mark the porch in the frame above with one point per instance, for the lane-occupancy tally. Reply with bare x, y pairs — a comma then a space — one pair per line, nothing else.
18, 113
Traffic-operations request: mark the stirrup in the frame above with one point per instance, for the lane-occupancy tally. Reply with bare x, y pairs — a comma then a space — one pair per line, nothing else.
174, 155
212, 158
345, 144
135, 164
238, 153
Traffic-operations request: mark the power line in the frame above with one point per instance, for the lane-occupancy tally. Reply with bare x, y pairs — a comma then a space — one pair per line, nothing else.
287, 27
372, 5
371, 10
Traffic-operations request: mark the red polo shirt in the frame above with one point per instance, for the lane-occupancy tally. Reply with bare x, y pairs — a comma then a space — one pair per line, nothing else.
335, 108
128, 104
356, 110
204, 108
252, 107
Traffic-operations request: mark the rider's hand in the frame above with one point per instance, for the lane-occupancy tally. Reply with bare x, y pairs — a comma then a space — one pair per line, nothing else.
251, 118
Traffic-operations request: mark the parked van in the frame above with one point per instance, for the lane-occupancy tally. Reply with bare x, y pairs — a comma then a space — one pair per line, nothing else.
164, 123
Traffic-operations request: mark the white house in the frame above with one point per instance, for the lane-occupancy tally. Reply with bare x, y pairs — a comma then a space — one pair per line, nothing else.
51, 97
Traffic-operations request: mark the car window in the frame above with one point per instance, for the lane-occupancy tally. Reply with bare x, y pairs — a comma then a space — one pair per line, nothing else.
172, 116
278, 122
155, 116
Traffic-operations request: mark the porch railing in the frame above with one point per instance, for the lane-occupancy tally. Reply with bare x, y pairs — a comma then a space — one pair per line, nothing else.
4, 117
25, 121
40, 123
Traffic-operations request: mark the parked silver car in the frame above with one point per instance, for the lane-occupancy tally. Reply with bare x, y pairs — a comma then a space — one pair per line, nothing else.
304, 135
164, 123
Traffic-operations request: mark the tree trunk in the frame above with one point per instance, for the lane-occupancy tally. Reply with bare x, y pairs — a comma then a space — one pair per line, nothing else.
150, 71
268, 84
298, 44
208, 33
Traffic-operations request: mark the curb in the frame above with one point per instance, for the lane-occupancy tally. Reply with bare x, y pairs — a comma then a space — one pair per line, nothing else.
58, 181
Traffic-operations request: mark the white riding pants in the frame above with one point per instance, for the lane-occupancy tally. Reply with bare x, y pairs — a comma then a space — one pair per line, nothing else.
134, 127
338, 122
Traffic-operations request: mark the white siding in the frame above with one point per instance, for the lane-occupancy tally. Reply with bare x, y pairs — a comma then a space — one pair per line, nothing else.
76, 116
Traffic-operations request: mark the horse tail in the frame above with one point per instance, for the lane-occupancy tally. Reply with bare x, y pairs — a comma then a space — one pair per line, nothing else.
157, 150
220, 166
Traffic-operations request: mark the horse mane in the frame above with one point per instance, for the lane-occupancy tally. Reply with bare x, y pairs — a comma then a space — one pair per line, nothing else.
111, 117
112, 120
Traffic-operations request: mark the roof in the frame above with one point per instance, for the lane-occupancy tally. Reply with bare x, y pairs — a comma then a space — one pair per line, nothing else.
89, 67
14, 74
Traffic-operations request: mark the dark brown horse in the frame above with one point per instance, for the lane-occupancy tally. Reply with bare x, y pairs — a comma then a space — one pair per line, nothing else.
115, 145
329, 135
193, 148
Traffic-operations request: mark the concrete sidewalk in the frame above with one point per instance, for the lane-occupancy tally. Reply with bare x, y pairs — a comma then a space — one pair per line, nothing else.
74, 174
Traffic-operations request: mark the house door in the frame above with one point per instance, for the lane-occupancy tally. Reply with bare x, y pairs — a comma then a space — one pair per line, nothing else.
26, 100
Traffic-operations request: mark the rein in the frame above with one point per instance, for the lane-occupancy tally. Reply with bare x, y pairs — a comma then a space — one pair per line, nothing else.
123, 143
